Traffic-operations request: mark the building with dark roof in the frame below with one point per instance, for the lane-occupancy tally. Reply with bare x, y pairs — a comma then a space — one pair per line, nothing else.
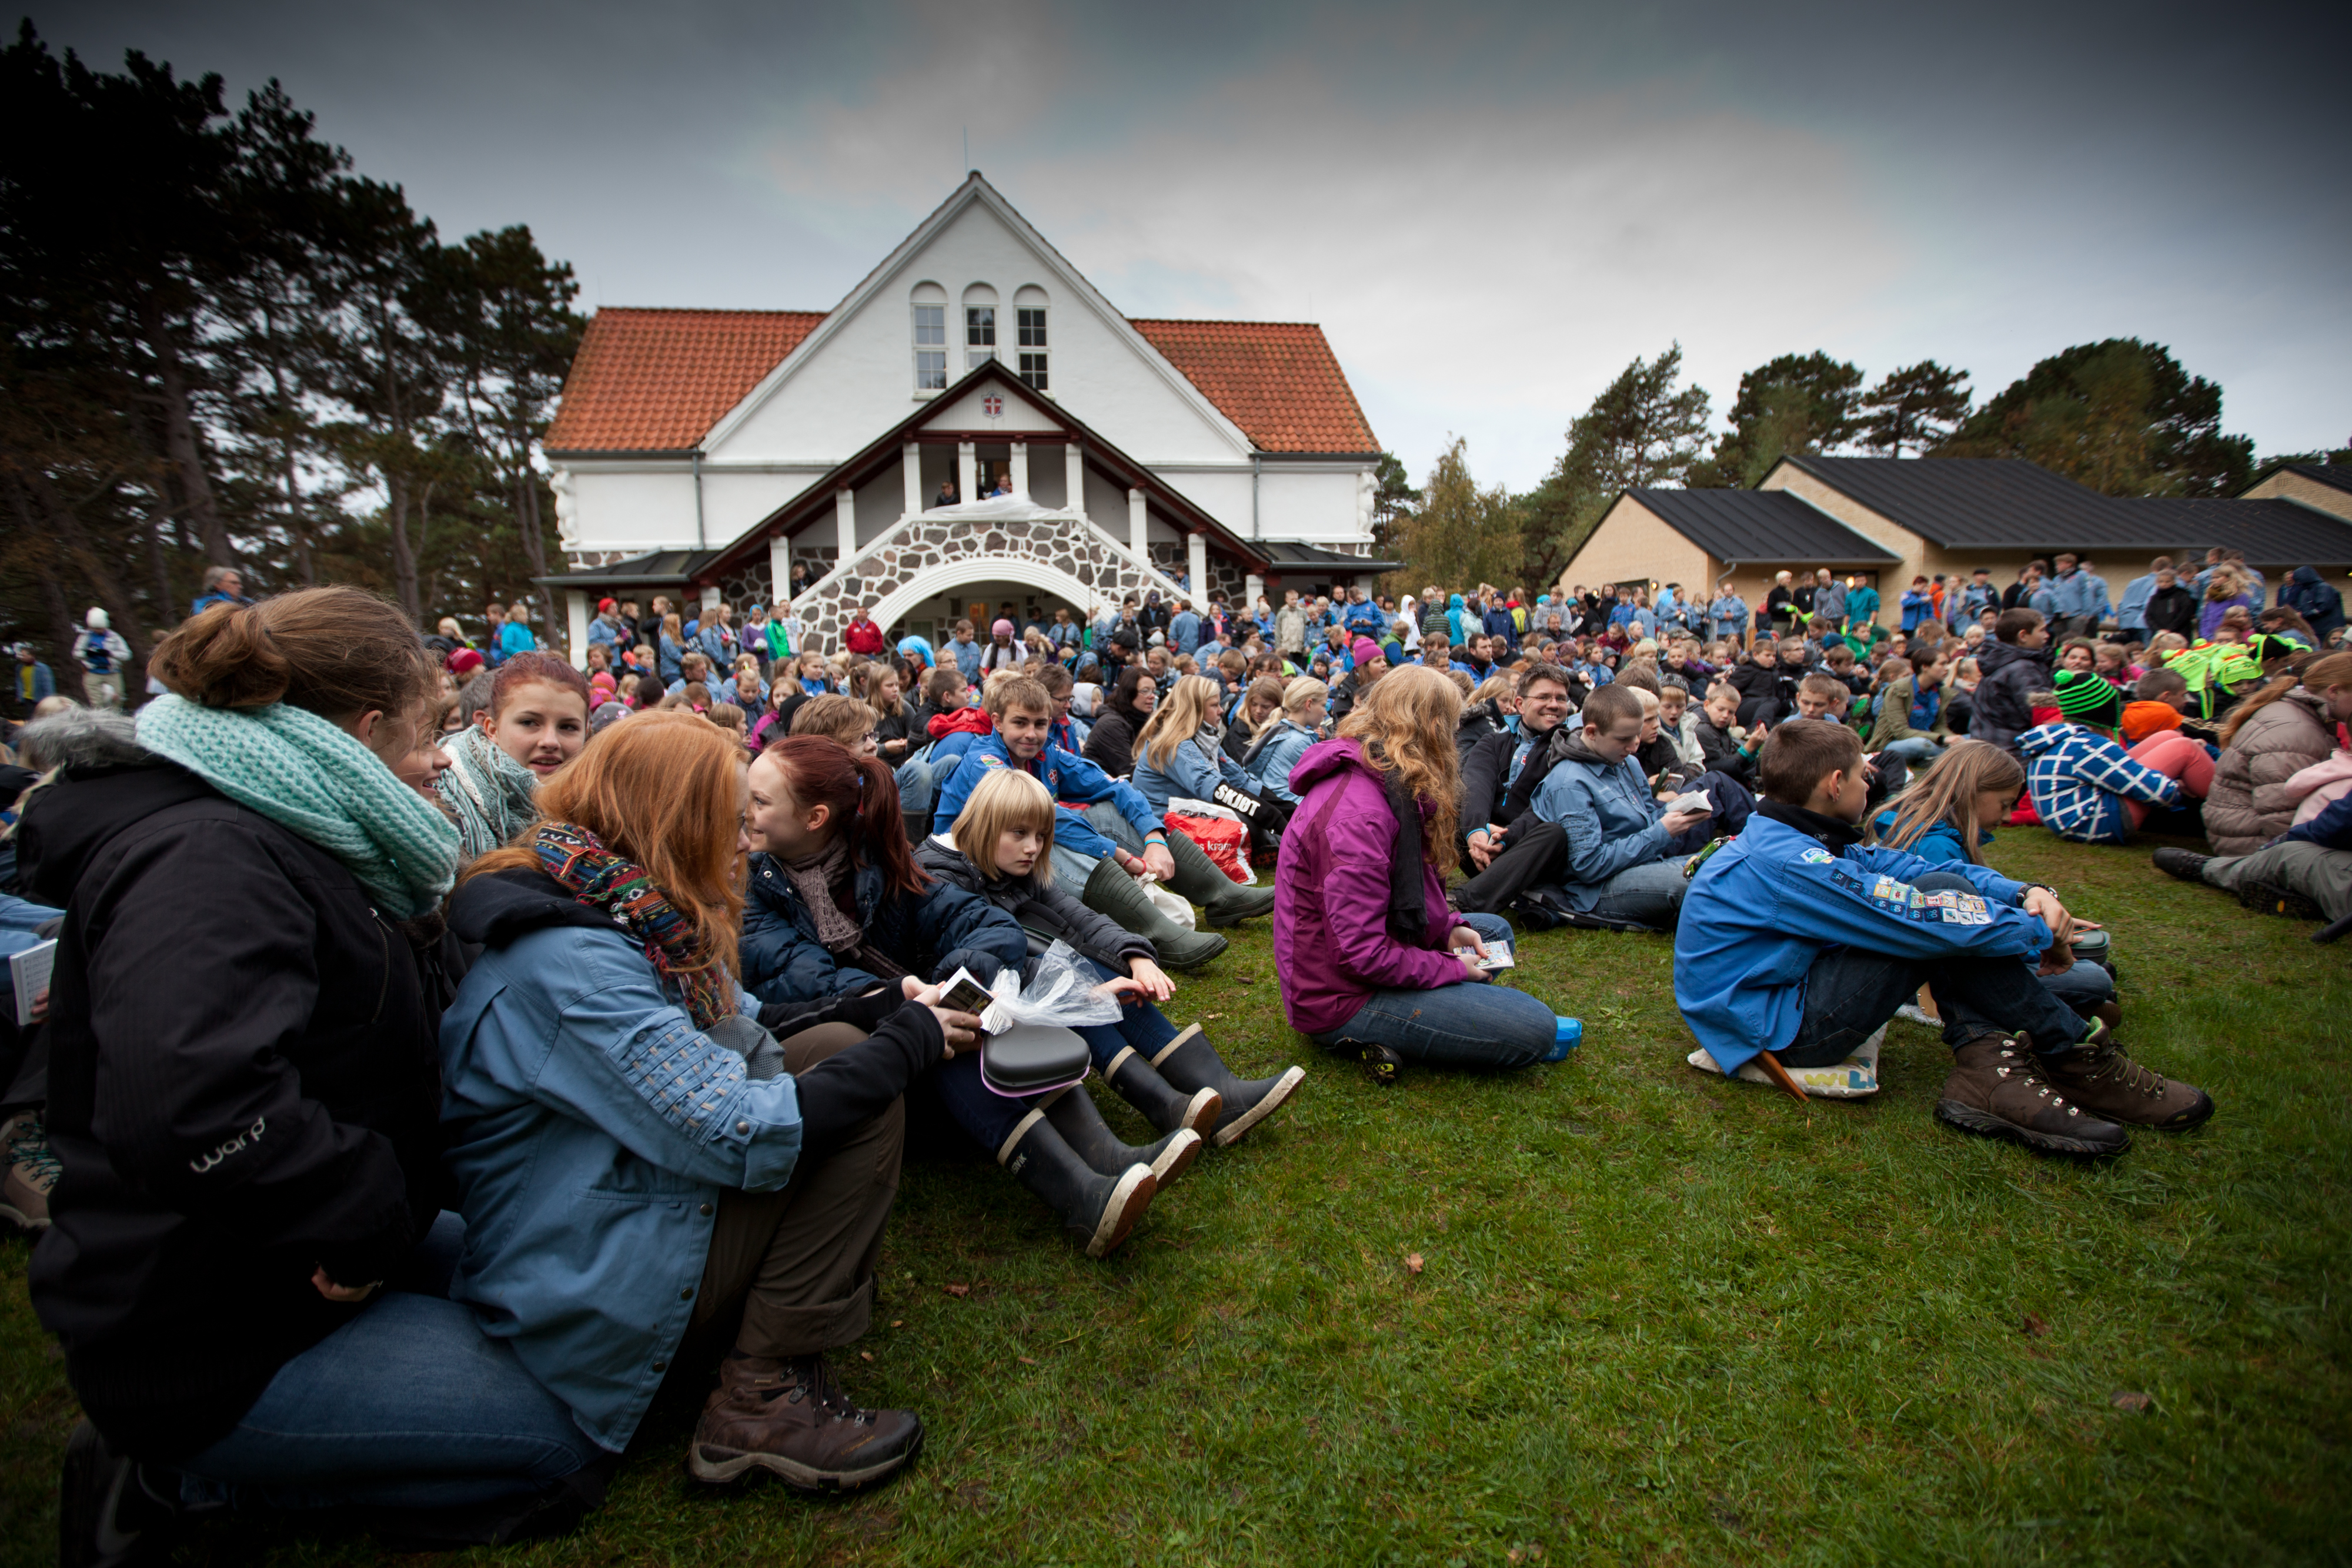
729, 447
1888, 520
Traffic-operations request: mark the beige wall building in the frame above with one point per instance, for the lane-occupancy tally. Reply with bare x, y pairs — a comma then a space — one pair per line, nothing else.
1886, 520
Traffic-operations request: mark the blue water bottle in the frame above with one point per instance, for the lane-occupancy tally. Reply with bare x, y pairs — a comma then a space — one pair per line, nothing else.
1567, 1034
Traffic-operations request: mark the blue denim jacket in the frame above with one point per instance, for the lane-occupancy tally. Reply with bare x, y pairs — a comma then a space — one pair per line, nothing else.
1194, 770
592, 1128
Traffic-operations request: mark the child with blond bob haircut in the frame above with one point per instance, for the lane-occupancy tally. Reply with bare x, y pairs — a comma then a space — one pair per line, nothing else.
1000, 849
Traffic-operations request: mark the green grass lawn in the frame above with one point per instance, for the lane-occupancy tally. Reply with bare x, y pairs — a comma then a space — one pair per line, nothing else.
1658, 1316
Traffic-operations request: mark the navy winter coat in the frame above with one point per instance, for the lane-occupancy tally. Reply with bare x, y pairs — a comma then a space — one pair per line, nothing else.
929, 935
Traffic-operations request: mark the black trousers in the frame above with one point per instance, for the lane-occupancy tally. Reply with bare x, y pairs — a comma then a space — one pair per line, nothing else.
1538, 855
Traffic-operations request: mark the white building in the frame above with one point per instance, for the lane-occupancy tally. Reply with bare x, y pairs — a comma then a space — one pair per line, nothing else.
704, 454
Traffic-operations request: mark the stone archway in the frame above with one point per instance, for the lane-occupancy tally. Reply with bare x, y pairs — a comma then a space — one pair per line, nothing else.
928, 552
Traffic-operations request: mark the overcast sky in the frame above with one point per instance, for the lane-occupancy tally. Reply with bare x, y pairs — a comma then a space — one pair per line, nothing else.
1491, 209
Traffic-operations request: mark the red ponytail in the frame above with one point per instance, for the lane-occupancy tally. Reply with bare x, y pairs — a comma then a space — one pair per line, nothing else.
863, 794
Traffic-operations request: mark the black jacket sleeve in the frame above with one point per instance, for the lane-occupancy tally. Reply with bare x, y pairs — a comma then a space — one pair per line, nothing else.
1481, 781
195, 1099
857, 1084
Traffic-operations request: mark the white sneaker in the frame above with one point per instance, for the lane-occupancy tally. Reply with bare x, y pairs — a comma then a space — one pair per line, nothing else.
1856, 1078
1913, 1012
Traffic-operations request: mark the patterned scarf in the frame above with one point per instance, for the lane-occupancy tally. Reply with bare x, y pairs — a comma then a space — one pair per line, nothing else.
815, 879
485, 790
602, 881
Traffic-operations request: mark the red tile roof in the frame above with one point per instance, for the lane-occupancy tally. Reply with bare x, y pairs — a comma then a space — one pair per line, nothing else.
650, 380
1277, 380
656, 379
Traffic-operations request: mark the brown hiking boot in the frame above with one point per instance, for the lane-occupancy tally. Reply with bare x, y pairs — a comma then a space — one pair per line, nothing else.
1997, 1088
789, 1417
2101, 1079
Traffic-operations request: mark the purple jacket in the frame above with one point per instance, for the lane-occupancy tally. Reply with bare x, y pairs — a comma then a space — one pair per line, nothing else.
1331, 944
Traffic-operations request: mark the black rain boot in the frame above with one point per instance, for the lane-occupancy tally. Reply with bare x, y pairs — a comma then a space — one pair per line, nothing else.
1098, 1212
1227, 902
1111, 892
1163, 1106
1190, 1061
1080, 1122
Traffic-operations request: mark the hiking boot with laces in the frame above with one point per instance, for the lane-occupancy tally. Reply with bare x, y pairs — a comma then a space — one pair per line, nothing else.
2186, 864
32, 1172
1997, 1088
2097, 1076
790, 1417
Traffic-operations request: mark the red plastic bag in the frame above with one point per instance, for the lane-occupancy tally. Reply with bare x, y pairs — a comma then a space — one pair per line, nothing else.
1223, 840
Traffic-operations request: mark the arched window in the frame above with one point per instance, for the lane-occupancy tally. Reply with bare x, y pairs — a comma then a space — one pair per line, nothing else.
979, 326
1029, 318
930, 306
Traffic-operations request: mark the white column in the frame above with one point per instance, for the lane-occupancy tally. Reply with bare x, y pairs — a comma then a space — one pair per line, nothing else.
912, 458
967, 472
710, 598
1196, 563
1137, 528
1074, 477
1020, 467
1252, 586
780, 569
575, 616
844, 516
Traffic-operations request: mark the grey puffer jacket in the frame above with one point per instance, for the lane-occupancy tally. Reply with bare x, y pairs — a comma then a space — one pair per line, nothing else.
2249, 805
2004, 705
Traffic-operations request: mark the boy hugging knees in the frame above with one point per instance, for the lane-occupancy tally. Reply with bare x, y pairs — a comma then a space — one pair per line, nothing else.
1798, 939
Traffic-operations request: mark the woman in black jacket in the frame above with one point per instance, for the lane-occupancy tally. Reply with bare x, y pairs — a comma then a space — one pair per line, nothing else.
1111, 746
243, 1095
1001, 850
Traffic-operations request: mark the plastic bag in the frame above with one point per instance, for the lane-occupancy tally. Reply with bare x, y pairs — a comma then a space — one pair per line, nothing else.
1223, 839
1060, 992
1176, 909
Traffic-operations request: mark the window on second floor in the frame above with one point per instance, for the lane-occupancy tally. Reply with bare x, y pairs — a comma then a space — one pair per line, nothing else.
931, 347
1030, 324
979, 335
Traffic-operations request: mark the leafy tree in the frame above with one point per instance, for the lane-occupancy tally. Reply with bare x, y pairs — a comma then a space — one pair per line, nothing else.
1915, 406
1461, 534
1798, 402
218, 346
1644, 431
2120, 416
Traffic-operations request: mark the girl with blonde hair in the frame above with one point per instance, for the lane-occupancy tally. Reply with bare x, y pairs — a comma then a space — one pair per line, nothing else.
1947, 813
1280, 744
1000, 850
1370, 957
1176, 755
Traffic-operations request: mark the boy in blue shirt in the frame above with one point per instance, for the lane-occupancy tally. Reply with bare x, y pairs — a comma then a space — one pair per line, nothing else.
1798, 939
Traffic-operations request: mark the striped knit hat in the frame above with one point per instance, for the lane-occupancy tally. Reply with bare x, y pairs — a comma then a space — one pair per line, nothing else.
2086, 697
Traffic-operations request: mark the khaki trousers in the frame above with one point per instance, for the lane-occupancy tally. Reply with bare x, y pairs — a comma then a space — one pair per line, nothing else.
791, 1272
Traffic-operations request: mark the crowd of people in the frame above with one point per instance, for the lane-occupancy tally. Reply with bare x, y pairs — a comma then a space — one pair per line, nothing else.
561, 1030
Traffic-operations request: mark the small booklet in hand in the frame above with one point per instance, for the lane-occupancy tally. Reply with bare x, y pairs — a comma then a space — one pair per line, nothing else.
1498, 957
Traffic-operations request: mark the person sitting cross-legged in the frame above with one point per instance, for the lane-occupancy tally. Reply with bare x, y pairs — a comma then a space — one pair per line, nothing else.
1798, 940
1622, 846
1371, 958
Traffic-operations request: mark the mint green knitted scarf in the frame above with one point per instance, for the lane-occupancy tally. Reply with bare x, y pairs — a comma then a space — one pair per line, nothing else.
317, 781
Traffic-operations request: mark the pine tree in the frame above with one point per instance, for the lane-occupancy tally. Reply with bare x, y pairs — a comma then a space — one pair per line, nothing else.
2120, 416
1643, 431
1915, 406
1798, 402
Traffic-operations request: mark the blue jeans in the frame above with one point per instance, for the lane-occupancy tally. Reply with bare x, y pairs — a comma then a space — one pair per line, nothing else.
989, 1117
1648, 894
1850, 993
408, 1405
1915, 750
2082, 987
1466, 1025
